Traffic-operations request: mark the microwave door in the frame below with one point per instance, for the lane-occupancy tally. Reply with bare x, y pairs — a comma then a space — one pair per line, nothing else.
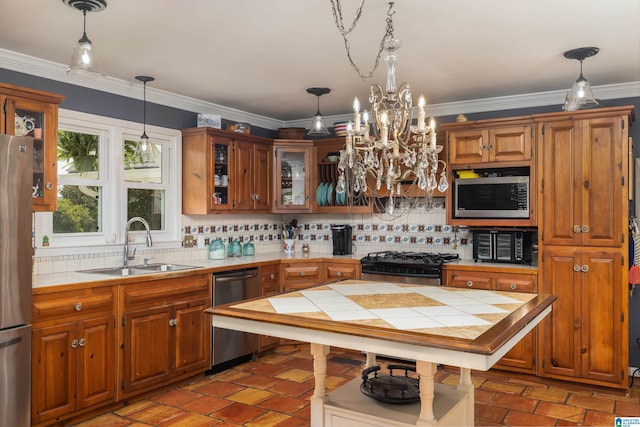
504, 245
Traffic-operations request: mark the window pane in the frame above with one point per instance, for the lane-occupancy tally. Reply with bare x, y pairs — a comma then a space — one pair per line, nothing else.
78, 209
78, 154
148, 204
142, 164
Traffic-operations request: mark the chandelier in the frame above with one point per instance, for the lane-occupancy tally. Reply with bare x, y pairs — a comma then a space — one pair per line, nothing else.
388, 149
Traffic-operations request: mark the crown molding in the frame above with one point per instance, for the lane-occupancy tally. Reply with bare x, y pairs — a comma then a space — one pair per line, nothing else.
54, 71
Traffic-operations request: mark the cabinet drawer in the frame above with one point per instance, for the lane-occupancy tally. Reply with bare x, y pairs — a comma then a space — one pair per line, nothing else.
469, 280
166, 291
301, 275
76, 303
335, 272
516, 283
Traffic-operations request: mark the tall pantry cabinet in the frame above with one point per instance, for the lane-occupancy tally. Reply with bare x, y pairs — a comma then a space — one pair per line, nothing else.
583, 196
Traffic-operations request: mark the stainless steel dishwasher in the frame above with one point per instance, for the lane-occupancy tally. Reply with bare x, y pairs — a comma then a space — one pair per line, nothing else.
232, 347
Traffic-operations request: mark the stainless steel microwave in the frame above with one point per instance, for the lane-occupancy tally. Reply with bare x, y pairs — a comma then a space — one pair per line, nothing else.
492, 197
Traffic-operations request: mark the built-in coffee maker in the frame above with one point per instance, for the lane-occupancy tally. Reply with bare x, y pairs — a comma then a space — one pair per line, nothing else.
341, 235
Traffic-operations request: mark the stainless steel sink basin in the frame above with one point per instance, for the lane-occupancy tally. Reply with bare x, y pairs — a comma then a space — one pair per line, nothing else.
141, 269
165, 267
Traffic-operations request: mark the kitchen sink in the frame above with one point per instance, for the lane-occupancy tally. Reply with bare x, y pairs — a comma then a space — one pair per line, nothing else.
141, 269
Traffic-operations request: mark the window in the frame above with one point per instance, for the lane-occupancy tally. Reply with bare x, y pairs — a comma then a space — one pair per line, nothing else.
104, 179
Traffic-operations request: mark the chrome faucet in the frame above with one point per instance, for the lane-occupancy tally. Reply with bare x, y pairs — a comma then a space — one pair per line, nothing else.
126, 256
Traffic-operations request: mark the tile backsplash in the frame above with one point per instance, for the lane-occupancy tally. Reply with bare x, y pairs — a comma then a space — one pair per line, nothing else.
419, 230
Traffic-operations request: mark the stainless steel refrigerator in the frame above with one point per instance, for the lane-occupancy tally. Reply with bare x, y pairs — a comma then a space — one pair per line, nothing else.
16, 177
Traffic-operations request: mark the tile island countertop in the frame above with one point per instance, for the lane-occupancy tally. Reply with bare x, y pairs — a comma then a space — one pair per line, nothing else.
468, 328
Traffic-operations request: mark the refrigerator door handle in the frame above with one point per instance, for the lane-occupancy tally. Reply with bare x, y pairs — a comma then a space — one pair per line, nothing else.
10, 342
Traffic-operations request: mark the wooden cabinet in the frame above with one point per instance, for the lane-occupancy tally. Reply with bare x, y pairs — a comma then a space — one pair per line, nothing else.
269, 285
584, 171
292, 176
74, 352
166, 335
584, 335
225, 171
584, 178
339, 269
495, 144
300, 274
327, 156
522, 357
35, 113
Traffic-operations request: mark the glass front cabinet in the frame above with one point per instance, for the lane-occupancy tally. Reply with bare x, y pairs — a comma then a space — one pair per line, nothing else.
28, 112
292, 179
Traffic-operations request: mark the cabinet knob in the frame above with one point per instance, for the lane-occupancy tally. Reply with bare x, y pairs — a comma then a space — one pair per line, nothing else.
77, 306
483, 146
74, 343
469, 283
272, 276
257, 196
490, 147
173, 322
48, 186
302, 274
585, 228
513, 286
339, 273
576, 268
577, 229
82, 342
583, 350
584, 268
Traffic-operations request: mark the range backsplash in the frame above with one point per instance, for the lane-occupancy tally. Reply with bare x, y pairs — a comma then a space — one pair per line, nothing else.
419, 230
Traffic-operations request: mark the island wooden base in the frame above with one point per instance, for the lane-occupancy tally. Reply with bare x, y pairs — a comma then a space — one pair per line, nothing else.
347, 406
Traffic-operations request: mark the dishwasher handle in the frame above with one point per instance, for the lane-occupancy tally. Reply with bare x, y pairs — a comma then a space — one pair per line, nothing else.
240, 275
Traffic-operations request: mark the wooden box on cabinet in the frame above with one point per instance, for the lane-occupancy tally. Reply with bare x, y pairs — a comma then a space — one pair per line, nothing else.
41, 108
244, 160
166, 335
74, 352
269, 285
522, 357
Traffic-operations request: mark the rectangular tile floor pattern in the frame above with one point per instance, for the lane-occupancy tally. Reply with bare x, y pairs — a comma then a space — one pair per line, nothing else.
274, 390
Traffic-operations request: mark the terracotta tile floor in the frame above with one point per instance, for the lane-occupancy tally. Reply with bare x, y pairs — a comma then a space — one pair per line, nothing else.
274, 391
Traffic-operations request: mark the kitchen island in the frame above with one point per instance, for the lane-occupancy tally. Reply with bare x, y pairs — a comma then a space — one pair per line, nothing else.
470, 329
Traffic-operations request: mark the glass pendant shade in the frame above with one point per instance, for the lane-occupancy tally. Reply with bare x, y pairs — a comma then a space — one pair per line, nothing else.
144, 150
318, 125
83, 59
580, 96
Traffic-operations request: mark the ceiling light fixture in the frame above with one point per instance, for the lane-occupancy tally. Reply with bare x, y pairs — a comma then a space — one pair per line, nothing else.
580, 96
394, 152
144, 150
318, 125
84, 60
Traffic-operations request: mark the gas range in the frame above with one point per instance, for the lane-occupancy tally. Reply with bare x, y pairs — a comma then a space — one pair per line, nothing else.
405, 267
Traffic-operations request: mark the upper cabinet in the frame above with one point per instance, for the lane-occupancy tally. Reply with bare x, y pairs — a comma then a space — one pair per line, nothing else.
477, 146
225, 171
292, 176
28, 112
584, 178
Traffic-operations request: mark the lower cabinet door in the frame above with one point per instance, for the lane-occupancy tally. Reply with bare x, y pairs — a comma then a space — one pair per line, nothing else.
521, 358
147, 356
53, 375
193, 336
96, 361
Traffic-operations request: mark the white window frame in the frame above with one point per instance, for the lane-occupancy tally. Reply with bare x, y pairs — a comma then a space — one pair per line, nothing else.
112, 133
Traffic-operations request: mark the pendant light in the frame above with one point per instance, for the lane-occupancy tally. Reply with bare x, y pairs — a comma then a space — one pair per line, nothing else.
318, 125
144, 150
580, 96
84, 60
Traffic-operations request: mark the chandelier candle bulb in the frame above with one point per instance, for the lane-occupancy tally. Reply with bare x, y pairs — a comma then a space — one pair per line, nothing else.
356, 114
432, 126
421, 103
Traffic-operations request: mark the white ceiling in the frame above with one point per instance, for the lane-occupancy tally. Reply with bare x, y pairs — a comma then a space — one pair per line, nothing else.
259, 56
